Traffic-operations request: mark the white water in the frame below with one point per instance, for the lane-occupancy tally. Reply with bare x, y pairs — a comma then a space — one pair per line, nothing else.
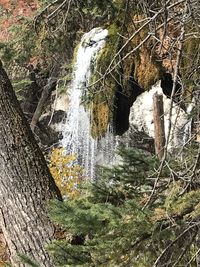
76, 135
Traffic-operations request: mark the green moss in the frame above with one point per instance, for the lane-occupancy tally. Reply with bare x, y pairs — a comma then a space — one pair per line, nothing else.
102, 93
108, 51
100, 119
147, 69
189, 66
75, 54
142, 65
190, 60
119, 3
147, 73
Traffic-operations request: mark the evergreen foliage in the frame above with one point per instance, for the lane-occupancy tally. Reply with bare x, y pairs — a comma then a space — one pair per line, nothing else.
26, 260
116, 227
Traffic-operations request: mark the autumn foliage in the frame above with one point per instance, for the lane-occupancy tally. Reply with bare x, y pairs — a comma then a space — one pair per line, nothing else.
66, 173
12, 12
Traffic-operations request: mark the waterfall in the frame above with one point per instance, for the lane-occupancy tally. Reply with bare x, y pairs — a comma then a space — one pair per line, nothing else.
77, 138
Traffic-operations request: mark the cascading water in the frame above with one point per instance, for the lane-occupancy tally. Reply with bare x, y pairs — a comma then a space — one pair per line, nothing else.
77, 138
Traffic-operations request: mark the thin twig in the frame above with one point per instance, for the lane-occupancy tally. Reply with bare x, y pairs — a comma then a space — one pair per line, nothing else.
173, 242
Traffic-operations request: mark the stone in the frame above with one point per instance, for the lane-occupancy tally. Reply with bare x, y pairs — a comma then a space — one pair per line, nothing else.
141, 118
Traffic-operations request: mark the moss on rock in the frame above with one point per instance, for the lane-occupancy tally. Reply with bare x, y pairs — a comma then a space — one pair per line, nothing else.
100, 119
147, 73
103, 86
140, 66
147, 70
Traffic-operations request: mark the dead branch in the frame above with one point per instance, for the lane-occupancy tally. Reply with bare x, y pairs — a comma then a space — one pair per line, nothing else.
159, 127
173, 242
40, 15
181, 38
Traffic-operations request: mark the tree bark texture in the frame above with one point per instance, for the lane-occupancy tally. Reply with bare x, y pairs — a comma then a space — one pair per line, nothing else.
25, 183
159, 127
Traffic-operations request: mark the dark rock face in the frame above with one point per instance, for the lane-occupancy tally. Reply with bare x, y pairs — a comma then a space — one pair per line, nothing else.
167, 85
122, 105
121, 113
46, 130
32, 92
31, 96
57, 117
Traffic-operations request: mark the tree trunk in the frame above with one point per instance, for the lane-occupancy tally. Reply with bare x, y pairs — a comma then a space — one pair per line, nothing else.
25, 183
159, 126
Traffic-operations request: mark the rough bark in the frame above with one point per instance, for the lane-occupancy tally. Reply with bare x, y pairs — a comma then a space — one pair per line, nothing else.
25, 183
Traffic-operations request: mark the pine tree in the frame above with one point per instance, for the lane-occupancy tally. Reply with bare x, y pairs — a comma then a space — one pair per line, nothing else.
129, 218
108, 216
